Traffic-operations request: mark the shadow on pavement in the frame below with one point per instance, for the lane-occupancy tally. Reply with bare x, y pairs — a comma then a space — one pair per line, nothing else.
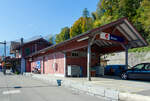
118, 78
19, 87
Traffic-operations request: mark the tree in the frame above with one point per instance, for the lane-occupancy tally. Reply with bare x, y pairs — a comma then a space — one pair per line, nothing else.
82, 25
63, 35
128, 8
86, 13
106, 12
142, 19
52, 40
110, 10
76, 28
58, 38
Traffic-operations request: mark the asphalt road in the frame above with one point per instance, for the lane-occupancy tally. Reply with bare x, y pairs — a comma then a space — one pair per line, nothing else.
20, 88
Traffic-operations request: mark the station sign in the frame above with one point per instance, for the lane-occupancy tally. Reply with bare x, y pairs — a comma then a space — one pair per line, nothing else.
105, 36
108, 36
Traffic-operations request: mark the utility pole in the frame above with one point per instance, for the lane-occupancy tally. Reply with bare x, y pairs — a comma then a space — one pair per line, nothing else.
21, 47
22, 58
5, 49
4, 43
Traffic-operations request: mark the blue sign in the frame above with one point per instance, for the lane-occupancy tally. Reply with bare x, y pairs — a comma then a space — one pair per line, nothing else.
38, 64
116, 38
108, 36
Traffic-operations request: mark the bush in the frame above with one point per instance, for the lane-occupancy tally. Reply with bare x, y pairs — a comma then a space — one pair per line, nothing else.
142, 49
17, 72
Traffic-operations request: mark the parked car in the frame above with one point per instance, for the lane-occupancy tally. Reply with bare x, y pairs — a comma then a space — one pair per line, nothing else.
114, 69
139, 71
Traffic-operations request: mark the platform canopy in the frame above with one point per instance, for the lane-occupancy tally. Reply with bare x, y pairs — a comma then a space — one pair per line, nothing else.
112, 37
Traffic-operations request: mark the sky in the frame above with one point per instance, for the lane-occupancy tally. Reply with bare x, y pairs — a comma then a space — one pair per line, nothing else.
29, 18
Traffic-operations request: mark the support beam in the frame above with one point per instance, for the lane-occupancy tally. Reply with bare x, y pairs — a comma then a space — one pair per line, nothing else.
126, 47
126, 56
114, 30
43, 64
92, 41
89, 61
65, 65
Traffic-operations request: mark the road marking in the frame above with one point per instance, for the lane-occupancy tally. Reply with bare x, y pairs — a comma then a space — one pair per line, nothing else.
11, 92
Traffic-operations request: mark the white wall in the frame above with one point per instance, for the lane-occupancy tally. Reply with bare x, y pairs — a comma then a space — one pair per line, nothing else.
134, 58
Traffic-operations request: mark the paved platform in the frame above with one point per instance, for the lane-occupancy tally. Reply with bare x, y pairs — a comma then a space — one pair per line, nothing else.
107, 86
116, 83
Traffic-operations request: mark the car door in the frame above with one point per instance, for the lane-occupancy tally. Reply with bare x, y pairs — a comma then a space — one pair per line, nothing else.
146, 72
136, 72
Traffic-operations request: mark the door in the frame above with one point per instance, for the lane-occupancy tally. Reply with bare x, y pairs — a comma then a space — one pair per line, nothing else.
136, 72
146, 72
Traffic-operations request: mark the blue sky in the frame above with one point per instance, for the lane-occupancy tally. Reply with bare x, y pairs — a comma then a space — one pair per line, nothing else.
28, 18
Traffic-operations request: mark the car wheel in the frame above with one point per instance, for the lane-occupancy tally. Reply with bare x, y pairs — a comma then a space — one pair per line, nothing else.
124, 76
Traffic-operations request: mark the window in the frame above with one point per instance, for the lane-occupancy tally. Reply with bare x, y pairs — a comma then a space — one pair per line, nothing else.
27, 51
147, 67
33, 49
74, 54
139, 66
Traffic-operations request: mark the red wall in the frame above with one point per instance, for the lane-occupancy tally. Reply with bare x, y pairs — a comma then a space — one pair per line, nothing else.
56, 59
31, 46
28, 66
81, 61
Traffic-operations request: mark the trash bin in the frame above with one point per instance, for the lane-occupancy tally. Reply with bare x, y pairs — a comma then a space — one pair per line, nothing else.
93, 73
59, 82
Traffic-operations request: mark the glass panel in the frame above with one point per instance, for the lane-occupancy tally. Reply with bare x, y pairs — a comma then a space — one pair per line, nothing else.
147, 67
27, 51
140, 66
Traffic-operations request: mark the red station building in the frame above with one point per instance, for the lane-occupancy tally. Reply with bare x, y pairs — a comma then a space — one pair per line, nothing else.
86, 49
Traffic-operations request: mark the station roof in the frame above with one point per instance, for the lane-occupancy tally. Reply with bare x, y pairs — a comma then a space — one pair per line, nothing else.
112, 37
